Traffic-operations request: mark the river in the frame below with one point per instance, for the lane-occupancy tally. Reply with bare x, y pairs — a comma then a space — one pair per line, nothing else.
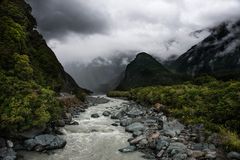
92, 139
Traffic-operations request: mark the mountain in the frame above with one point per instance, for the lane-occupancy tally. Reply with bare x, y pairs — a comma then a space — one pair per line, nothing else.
101, 74
144, 70
19, 35
218, 54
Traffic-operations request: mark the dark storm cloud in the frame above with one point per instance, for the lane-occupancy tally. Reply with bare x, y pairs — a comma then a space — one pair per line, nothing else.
92, 28
57, 18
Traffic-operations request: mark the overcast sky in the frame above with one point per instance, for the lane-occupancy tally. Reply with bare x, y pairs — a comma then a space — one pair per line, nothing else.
80, 30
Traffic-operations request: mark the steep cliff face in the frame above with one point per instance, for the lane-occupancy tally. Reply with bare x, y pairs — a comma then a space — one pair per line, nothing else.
144, 70
19, 35
218, 54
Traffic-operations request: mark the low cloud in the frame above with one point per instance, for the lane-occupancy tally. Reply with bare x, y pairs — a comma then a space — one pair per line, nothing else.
85, 29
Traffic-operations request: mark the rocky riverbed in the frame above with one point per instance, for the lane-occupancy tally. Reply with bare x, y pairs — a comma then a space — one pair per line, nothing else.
115, 129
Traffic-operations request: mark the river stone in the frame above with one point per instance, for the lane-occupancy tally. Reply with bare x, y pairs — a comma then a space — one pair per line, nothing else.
135, 113
173, 126
125, 122
7, 154
161, 144
74, 123
106, 113
114, 124
137, 133
10, 144
128, 149
176, 148
44, 142
135, 127
95, 115
118, 115
180, 156
137, 140
233, 155
197, 154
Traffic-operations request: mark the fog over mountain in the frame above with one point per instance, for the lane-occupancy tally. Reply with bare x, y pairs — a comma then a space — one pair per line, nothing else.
79, 31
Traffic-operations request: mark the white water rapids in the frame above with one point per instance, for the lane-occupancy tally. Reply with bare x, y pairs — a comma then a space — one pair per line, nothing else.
92, 139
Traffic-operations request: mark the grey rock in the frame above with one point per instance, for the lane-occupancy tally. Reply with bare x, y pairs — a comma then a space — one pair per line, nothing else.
170, 133
44, 142
233, 155
106, 113
160, 154
118, 115
74, 123
128, 149
135, 113
137, 140
173, 126
161, 144
10, 144
125, 122
135, 127
137, 133
197, 154
7, 154
95, 115
211, 155
67, 118
114, 124
177, 148
180, 156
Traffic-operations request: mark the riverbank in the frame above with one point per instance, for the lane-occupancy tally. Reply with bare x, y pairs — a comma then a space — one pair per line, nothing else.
106, 127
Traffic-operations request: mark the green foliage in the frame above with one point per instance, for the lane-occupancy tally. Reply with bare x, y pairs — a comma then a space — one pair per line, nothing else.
24, 104
230, 139
213, 103
118, 94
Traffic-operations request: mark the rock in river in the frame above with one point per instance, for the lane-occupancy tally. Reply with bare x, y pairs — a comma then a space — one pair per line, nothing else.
44, 142
106, 113
128, 149
95, 115
135, 127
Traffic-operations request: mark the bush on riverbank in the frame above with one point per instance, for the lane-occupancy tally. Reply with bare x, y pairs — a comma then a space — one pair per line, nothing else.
23, 103
118, 94
214, 103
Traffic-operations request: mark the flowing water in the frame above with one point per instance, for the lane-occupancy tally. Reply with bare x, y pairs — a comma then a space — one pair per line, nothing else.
92, 139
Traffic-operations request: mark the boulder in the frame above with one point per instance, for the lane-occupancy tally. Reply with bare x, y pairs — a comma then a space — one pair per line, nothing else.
137, 126
128, 149
135, 113
137, 140
177, 148
106, 113
74, 123
233, 155
126, 122
161, 144
7, 154
137, 133
44, 142
95, 115
10, 144
114, 124
118, 115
